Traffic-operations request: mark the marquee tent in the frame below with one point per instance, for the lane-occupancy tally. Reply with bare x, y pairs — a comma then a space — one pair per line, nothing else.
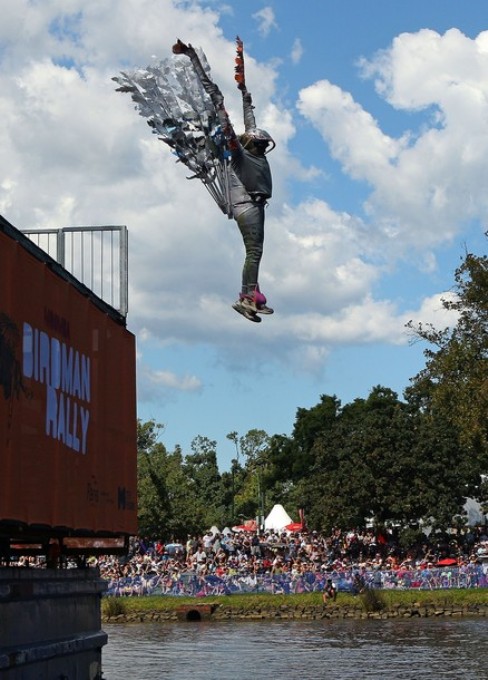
277, 519
475, 513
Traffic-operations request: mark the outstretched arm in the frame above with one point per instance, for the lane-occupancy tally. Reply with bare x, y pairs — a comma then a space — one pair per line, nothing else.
240, 76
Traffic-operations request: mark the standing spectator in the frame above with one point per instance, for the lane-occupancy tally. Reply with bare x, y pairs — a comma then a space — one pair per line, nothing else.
208, 540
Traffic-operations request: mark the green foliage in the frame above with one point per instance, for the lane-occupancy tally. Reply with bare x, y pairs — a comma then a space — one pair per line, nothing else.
372, 600
153, 500
483, 495
409, 537
113, 606
454, 383
251, 481
451, 392
292, 457
249, 602
362, 465
169, 502
444, 474
202, 473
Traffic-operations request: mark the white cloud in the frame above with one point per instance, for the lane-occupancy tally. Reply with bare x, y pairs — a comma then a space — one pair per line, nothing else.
354, 136
186, 383
427, 182
450, 64
318, 255
432, 311
296, 51
162, 386
74, 152
266, 20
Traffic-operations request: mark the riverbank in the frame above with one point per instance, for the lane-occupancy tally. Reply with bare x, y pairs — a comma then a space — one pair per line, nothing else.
370, 605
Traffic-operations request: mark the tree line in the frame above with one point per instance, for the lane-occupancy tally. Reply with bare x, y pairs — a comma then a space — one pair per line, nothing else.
383, 459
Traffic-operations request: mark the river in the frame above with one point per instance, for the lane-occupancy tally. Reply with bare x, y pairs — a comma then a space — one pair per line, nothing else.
399, 649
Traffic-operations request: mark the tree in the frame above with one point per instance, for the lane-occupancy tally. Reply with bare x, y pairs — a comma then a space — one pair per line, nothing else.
235, 480
153, 498
168, 500
292, 458
249, 483
362, 468
443, 475
452, 389
379, 459
201, 468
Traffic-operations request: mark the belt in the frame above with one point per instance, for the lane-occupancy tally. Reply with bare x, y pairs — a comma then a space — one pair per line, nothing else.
260, 199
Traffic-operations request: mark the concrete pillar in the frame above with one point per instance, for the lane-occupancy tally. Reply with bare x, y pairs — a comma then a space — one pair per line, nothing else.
50, 624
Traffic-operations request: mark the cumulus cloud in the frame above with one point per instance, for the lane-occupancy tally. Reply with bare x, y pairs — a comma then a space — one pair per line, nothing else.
352, 133
433, 311
427, 182
74, 152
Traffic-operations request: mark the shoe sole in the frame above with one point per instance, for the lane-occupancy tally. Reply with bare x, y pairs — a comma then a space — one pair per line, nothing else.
268, 310
247, 315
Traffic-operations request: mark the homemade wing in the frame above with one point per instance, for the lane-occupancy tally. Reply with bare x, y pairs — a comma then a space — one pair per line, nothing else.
183, 116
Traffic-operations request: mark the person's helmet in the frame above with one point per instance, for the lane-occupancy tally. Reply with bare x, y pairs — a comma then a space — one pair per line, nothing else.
258, 135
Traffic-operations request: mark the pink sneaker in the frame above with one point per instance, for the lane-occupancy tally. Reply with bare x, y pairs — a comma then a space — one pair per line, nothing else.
260, 303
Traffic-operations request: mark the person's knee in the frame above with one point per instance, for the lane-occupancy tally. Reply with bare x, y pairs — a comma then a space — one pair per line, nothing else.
254, 252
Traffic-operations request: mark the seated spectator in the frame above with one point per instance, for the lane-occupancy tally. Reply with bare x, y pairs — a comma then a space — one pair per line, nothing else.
358, 584
329, 592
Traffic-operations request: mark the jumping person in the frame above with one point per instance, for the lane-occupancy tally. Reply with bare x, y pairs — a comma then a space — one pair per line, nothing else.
250, 180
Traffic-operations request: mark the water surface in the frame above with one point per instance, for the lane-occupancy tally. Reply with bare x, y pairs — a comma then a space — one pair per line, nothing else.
419, 649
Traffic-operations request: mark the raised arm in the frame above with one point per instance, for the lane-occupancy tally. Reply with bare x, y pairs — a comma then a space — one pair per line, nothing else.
240, 76
212, 90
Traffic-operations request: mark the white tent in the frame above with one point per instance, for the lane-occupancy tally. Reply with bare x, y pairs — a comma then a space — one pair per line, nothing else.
277, 519
474, 513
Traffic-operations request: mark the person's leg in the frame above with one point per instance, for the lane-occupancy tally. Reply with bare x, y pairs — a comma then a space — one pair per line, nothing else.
250, 221
251, 225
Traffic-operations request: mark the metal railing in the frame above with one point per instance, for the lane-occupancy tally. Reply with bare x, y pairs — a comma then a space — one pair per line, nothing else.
97, 256
191, 584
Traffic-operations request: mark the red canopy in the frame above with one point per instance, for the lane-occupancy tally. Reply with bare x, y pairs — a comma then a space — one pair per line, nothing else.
294, 526
249, 525
447, 562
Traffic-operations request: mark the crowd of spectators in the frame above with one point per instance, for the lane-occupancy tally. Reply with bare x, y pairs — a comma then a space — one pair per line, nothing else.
275, 561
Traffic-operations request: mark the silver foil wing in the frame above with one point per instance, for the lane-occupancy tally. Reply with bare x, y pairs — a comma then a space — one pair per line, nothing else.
177, 108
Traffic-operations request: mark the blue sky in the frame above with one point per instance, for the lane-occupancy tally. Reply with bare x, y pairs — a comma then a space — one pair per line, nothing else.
379, 110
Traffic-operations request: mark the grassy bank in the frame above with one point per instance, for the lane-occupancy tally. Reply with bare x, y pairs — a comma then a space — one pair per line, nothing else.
386, 600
